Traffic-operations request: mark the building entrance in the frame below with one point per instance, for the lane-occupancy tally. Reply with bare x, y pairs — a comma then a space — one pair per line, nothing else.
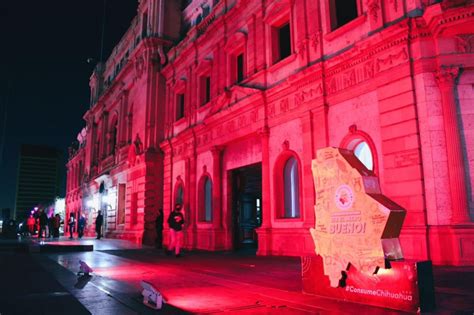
246, 205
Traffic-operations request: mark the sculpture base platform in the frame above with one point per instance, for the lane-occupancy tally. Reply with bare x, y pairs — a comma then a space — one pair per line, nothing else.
406, 286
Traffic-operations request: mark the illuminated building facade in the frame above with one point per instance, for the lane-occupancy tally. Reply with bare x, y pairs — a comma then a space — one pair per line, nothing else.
224, 112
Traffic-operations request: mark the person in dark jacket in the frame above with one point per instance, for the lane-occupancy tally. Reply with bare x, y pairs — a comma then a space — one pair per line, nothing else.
56, 225
98, 224
175, 222
72, 224
43, 222
51, 226
81, 224
159, 229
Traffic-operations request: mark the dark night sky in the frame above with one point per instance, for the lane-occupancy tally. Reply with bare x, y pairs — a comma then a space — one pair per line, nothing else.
44, 76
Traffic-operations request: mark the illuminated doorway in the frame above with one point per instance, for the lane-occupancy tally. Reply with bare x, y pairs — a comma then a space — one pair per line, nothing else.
246, 206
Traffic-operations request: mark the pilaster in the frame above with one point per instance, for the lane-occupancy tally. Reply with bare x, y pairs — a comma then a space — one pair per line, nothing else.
446, 77
217, 187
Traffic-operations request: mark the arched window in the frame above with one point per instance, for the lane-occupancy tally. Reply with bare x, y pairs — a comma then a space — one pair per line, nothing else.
287, 179
362, 146
363, 153
208, 199
291, 189
205, 199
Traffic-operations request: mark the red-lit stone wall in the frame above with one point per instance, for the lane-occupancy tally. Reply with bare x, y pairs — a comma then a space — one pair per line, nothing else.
399, 77
377, 82
121, 159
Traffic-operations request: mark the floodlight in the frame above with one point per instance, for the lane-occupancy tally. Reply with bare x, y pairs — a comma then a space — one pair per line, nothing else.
84, 268
151, 296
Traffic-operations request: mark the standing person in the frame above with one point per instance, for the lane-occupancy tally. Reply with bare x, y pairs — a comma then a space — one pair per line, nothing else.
159, 229
51, 225
175, 222
98, 224
81, 223
43, 222
71, 223
56, 225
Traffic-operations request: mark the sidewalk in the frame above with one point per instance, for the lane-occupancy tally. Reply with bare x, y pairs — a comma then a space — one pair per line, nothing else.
26, 288
206, 283
209, 283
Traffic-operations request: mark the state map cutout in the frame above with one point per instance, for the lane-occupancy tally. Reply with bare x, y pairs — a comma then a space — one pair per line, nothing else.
355, 224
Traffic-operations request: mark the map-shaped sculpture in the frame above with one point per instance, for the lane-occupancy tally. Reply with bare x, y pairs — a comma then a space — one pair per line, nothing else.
355, 224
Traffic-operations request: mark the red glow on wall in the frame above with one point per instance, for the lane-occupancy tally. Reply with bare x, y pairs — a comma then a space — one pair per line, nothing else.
338, 81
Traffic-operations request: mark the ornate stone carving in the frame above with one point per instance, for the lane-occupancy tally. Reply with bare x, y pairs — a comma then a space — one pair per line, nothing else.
465, 43
391, 60
369, 70
307, 95
374, 7
139, 66
284, 105
302, 47
353, 128
446, 4
446, 75
395, 5
271, 110
138, 145
315, 40
350, 78
333, 85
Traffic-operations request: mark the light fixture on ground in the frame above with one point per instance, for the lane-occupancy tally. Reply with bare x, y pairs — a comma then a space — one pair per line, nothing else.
84, 268
151, 296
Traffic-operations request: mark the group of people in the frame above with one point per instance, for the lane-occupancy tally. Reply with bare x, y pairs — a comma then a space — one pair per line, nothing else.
81, 224
49, 227
175, 223
46, 227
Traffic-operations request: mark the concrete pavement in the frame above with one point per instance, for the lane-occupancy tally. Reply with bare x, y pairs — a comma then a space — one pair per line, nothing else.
208, 283
26, 288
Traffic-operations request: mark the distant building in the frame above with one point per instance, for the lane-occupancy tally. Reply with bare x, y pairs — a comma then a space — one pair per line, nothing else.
38, 178
5, 214
222, 106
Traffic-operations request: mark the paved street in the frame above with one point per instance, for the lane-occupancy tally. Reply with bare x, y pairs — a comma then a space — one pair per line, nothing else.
198, 282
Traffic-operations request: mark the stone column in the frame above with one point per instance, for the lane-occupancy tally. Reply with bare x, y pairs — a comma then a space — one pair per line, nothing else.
192, 184
265, 230
266, 193
307, 203
446, 77
217, 187
189, 200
